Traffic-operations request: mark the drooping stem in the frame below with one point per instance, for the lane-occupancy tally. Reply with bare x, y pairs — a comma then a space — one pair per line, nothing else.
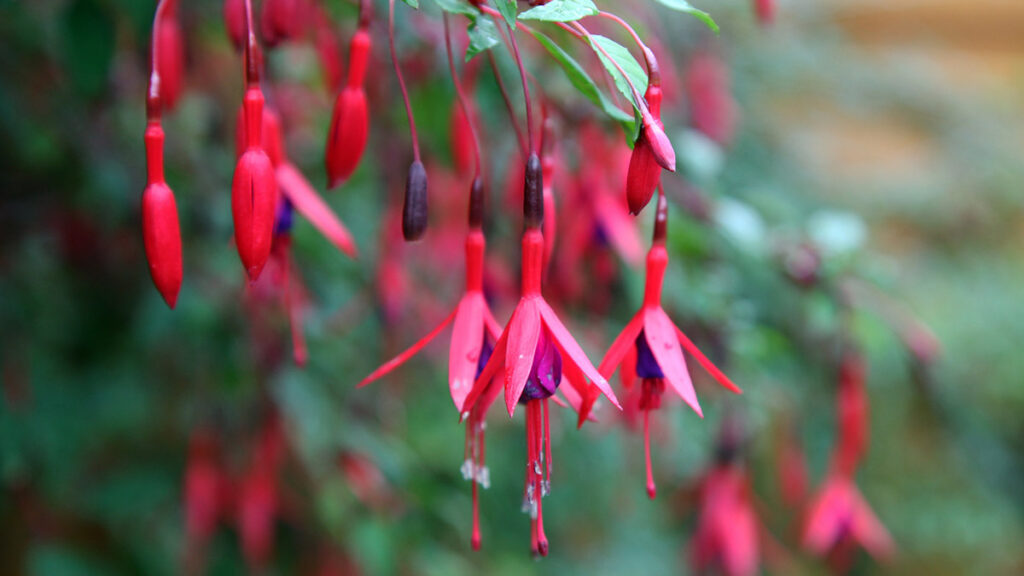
252, 49
637, 96
401, 81
460, 95
508, 103
522, 77
653, 72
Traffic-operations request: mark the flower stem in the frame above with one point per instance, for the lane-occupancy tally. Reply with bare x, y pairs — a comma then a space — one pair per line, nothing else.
401, 81
460, 95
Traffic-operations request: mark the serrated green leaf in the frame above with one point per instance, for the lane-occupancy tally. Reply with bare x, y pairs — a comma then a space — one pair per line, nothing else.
457, 7
508, 10
584, 83
561, 11
414, 3
483, 35
687, 8
621, 56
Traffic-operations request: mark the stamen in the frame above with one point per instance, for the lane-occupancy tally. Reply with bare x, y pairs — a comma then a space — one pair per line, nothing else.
651, 488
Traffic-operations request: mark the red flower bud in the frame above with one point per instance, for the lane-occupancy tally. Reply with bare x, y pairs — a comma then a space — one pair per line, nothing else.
281, 20
203, 480
160, 232
254, 193
765, 10
170, 57
643, 177
234, 21
257, 508
346, 140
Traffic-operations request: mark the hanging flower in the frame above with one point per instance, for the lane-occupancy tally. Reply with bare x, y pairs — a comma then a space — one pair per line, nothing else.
658, 345
839, 517
530, 354
346, 139
728, 530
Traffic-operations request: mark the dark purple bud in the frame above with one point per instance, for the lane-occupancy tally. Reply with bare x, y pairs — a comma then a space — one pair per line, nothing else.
476, 203
533, 193
546, 374
414, 211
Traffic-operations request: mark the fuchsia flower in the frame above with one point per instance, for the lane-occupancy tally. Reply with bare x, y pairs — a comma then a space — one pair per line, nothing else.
234, 21
657, 345
473, 335
346, 139
839, 517
161, 233
728, 530
258, 501
530, 353
205, 503
282, 20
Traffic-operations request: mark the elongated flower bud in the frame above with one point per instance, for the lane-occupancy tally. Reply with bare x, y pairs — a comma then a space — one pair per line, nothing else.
170, 57
281, 20
346, 139
234, 21
160, 232
254, 193
765, 10
644, 168
533, 193
476, 204
414, 210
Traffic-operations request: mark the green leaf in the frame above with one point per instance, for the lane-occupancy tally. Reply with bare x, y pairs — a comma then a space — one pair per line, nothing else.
621, 56
508, 10
483, 35
457, 7
561, 11
414, 3
686, 7
584, 83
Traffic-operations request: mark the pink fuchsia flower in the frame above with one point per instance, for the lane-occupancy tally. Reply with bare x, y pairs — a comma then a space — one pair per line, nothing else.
474, 332
728, 531
530, 354
204, 495
658, 345
346, 139
258, 494
839, 517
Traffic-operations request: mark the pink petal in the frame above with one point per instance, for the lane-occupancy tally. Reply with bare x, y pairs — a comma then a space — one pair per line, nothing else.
467, 341
523, 332
577, 391
493, 366
405, 356
823, 520
301, 193
738, 540
868, 530
568, 344
493, 328
706, 363
661, 337
623, 342
620, 227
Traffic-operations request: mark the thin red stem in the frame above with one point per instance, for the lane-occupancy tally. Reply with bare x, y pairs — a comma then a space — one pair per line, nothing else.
460, 95
401, 81
637, 97
252, 49
508, 104
652, 63
522, 75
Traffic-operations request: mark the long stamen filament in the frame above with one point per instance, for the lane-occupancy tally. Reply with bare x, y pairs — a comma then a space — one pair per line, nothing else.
652, 490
